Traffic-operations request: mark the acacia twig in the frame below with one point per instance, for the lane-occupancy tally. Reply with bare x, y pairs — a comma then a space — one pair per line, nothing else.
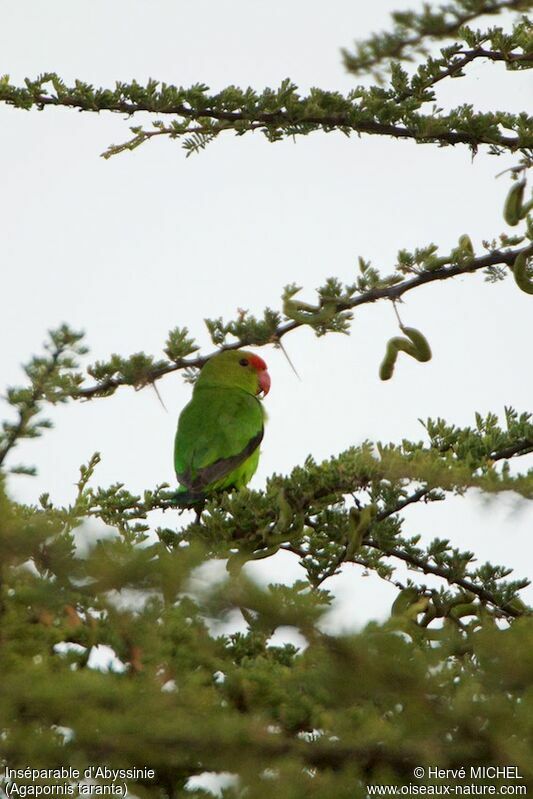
498, 257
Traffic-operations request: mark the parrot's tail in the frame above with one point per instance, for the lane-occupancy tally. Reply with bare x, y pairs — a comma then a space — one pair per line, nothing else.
189, 499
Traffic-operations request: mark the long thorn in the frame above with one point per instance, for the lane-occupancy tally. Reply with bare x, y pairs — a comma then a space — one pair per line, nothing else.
159, 396
279, 343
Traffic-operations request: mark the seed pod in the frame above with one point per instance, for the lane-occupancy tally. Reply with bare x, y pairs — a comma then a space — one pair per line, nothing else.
513, 203
429, 615
417, 607
465, 244
286, 513
415, 345
524, 211
404, 600
464, 609
422, 350
265, 553
325, 314
355, 533
389, 361
236, 561
517, 605
522, 278
359, 521
309, 314
434, 634
435, 262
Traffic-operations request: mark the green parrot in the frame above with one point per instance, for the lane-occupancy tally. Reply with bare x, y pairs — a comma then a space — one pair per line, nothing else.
220, 430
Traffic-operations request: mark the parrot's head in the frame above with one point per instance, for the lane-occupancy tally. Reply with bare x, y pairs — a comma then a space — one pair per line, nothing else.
236, 369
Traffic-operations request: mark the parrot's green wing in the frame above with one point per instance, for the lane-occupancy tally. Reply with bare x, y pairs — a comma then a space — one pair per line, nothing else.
218, 437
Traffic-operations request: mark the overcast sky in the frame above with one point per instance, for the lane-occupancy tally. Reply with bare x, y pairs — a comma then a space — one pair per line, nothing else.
127, 249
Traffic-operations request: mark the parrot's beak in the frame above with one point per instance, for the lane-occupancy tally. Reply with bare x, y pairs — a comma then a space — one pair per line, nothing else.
264, 382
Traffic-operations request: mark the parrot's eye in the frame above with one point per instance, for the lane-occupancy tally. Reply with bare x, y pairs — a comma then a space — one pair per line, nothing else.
244, 362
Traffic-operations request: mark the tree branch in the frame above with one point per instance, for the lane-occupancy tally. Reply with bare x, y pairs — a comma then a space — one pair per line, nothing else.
521, 448
29, 407
431, 24
456, 66
394, 292
440, 571
278, 113
484, 595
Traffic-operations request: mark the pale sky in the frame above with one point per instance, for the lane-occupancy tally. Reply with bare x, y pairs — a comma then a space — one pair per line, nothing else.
127, 249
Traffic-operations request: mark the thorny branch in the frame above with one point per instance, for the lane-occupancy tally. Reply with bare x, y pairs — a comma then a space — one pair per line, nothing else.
28, 409
356, 64
421, 564
498, 257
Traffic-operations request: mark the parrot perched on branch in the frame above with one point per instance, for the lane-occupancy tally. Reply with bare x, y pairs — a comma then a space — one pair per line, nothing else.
220, 430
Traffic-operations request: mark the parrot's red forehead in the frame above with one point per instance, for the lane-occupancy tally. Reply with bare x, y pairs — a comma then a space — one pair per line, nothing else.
257, 362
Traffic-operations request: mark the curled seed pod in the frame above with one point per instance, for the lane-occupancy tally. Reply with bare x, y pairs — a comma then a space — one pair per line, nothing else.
417, 607
429, 615
286, 513
265, 553
389, 361
236, 561
386, 369
354, 517
404, 600
434, 634
422, 350
526, 208
356, 533
522, 278
464, 609
309, 314
415, 345
465, 244
358, 521
325, 314
517, 605
435, 262
513, 204
464, 597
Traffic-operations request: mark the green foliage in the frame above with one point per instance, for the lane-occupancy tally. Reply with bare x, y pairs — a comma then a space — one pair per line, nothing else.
246, 328
198, 117
179, 345
344, 712
445, 681
237, 702
52, 378
332, 312
414, 31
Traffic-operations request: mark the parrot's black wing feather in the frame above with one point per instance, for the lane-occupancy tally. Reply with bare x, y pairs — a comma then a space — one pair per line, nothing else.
219, 469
